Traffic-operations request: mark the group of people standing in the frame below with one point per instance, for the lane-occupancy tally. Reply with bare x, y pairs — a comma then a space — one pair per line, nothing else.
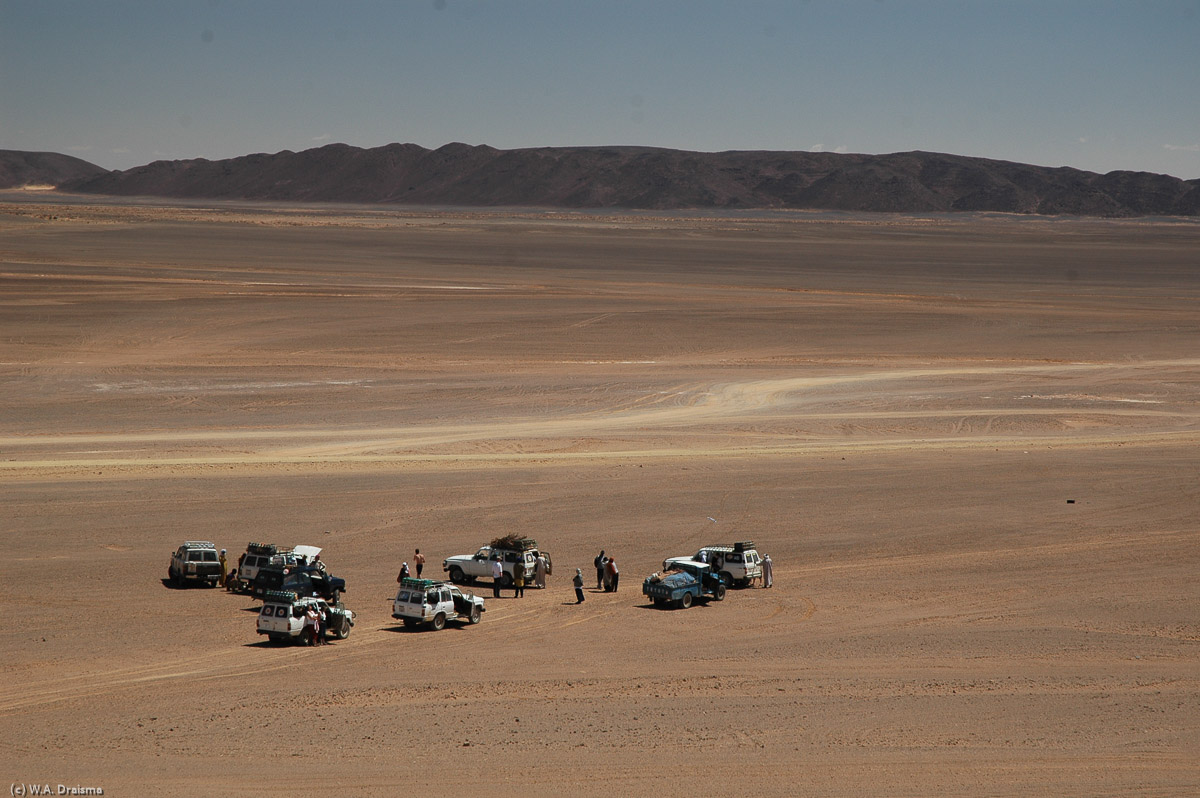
607, 575
314, 621
540, 567
418, 561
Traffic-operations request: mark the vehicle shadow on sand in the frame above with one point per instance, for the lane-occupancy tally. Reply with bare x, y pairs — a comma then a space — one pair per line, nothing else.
669, 607
169, 585
401, 629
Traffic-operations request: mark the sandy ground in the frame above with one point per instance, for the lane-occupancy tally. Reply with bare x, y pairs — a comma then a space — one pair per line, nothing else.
969, 444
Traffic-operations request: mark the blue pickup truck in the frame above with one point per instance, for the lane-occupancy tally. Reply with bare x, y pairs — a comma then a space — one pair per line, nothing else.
685, 582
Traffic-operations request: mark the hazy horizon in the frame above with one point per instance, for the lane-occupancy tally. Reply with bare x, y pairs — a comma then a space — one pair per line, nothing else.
1095, 86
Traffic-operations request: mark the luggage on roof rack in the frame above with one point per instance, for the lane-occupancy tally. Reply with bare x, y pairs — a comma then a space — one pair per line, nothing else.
417, 584
279, 597
514, 542
268, 549
742, 545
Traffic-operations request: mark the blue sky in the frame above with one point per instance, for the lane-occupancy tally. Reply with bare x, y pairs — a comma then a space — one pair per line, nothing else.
1095, 85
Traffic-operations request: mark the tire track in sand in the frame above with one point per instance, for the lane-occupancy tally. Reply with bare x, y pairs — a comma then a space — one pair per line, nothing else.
685, 410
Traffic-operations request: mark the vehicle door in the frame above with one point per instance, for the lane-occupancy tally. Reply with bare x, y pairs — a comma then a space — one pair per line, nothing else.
445, 602
400, 603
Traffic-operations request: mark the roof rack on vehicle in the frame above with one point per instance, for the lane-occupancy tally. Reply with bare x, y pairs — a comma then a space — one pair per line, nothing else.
742, 545
417, 584
514, 542
199, 544
262, 548
279, 597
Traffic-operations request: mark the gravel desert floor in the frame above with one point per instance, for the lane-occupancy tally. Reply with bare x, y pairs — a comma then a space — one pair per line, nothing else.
969, 444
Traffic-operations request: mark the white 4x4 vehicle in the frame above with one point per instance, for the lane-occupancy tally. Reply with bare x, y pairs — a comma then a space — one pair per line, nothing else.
263, 555
426, 601
282, 617
195, 560
738, 564
465, 568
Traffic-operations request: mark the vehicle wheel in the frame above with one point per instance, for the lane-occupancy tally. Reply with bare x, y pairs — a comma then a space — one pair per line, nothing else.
719, 593
276, 639
411, 622
175, 578
727, 578
439, 622
506, 580
476, 615
457, 576
343, 629
685, 600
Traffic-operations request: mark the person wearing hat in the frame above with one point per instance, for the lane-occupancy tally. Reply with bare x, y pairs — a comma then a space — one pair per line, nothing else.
403, 572
578, 582
223, 561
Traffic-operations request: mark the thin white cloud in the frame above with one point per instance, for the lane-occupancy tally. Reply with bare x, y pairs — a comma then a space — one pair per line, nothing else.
817, 148
840, 148
322, 137
1182, 147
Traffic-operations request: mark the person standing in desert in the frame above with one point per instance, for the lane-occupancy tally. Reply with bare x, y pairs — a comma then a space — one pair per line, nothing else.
539, 571
600, 561
613, 575
578, 583
419, 561
497, 577
768, 571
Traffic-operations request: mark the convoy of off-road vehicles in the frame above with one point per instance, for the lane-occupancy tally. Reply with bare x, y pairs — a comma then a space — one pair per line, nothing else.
302, 599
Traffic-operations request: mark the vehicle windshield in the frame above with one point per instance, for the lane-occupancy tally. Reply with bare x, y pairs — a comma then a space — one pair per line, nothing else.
302, 584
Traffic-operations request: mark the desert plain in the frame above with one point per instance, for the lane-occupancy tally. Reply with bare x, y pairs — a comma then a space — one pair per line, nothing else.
968, 442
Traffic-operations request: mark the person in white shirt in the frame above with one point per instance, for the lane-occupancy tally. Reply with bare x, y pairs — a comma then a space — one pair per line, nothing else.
539, 571
497, 577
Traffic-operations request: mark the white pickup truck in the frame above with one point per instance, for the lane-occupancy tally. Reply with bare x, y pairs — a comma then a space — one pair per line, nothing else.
466, 568
432, 603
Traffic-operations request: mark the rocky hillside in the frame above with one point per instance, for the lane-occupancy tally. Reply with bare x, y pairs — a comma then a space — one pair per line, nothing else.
19, 169
640, 177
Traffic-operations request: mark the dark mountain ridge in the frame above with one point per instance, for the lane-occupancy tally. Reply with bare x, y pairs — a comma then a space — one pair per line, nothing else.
19, 169
655, 179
